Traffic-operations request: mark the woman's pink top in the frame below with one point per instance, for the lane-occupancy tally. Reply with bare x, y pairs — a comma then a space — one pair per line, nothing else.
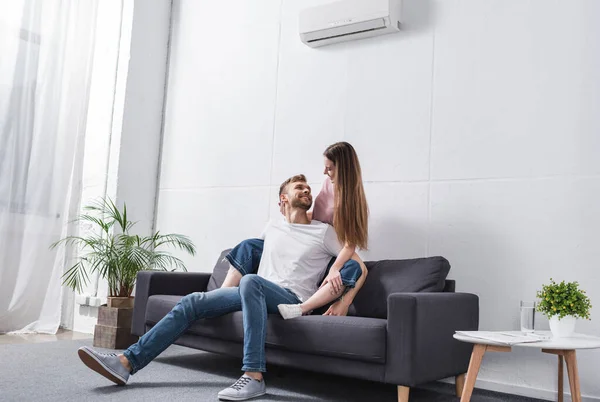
323, 210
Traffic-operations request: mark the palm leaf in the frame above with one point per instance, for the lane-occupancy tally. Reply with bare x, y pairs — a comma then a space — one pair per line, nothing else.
76, 277
179, 241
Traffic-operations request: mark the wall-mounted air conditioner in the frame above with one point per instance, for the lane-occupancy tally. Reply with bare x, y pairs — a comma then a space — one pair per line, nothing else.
349, 20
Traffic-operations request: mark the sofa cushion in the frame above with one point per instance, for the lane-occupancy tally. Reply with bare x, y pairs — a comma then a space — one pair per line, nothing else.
219, 272
352, 338
398, 276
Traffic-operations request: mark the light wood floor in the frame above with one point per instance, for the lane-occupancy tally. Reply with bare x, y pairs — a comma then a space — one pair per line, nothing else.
61, 335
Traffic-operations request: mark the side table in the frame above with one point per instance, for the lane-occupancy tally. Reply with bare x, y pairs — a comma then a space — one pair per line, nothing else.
564, 348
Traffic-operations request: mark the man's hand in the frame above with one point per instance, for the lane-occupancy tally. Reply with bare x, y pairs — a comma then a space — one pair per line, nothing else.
282, 207
338, 308
335, 279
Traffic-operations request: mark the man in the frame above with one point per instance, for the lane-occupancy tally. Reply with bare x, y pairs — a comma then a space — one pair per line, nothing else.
296, 254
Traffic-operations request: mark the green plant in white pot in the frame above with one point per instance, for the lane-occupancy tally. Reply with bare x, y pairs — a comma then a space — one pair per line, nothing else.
563, 303
116, 254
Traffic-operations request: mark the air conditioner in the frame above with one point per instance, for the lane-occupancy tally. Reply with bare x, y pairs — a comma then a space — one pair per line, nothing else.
349, 20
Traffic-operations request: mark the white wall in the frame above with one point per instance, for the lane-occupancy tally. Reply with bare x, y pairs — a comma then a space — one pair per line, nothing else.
478, 129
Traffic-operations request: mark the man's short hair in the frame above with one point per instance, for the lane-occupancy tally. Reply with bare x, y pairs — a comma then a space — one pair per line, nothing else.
293, 179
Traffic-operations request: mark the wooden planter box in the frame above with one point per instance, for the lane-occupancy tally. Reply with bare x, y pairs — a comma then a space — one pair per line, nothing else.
113, 330
123, 302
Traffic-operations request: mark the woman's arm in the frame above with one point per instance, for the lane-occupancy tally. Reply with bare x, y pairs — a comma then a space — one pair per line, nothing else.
348, 298
334, 276
341, 306
344, 256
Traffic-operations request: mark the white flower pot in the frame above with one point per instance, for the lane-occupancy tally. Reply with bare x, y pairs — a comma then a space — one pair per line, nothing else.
564, 327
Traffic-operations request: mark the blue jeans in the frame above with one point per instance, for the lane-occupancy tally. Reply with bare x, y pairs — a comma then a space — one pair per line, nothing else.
255, 297
245, 257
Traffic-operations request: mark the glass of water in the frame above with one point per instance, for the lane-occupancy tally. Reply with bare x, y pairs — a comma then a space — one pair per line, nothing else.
527, 316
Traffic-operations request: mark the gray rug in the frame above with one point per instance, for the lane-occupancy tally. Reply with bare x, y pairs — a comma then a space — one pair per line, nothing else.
52, 371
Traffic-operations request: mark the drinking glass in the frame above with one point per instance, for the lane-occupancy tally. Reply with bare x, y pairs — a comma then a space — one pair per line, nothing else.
527, 316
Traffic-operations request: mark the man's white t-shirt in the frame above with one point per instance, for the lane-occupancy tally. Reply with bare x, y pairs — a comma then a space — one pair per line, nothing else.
295, 256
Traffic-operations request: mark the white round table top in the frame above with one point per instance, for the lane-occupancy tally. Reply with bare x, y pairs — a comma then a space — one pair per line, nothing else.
577, 341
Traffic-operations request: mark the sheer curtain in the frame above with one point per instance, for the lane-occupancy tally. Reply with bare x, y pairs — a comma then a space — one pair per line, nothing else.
46, 55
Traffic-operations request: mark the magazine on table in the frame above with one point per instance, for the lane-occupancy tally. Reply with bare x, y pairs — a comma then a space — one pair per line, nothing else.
504, 337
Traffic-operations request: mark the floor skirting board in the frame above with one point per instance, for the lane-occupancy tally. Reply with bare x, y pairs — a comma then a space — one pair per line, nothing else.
527, 391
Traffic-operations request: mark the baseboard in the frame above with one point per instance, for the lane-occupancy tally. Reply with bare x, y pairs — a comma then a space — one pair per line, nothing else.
527, 391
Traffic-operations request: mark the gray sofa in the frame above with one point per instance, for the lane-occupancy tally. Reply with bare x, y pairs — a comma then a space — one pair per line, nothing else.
398, 331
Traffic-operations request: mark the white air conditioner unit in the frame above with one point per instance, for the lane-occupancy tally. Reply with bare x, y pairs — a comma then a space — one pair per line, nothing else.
349, 20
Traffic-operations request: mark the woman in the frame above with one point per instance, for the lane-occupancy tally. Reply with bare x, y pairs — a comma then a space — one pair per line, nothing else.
341, 203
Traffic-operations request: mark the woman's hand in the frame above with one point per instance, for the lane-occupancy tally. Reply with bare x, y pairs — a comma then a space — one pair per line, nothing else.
335, 279
338, 308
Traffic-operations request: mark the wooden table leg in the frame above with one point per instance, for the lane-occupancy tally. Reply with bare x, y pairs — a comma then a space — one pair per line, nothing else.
571, 359
474, 364
403, 393
560, 378
460, 384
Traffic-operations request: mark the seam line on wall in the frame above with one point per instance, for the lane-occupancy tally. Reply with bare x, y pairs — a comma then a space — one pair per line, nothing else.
431, 95
275, 105
466, 181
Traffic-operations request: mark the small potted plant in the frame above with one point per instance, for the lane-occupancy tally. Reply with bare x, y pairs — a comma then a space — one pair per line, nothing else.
117, 256
563, 303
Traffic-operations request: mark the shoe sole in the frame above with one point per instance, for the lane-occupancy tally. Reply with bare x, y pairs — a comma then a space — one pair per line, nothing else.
241, 398
92, 362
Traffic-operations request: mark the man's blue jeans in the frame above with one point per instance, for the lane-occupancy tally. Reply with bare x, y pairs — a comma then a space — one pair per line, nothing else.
255, 297
245, 257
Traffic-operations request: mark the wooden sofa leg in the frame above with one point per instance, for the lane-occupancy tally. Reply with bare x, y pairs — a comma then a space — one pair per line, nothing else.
460, 384
403, 393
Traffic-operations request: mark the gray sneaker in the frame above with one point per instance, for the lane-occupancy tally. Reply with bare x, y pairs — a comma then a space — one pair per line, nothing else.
244, 388
106, 364
289, 311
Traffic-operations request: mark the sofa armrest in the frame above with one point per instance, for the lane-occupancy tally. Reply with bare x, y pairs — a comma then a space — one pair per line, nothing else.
150, 283
420, 329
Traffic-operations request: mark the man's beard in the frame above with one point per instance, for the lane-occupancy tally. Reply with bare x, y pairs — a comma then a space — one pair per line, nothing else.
303, 203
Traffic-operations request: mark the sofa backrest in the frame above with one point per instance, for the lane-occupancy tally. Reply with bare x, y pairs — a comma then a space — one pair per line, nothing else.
385, 277
398, 276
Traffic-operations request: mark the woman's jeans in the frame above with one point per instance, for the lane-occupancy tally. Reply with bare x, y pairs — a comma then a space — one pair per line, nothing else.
255, 297
245, 257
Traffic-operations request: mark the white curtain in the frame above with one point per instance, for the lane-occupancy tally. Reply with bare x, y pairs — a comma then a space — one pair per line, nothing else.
46, 52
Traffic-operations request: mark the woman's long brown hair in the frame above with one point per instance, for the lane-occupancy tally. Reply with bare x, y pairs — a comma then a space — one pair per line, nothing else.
351, 212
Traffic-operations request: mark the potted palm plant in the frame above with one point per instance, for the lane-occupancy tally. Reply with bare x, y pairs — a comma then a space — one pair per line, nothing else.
117, 256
